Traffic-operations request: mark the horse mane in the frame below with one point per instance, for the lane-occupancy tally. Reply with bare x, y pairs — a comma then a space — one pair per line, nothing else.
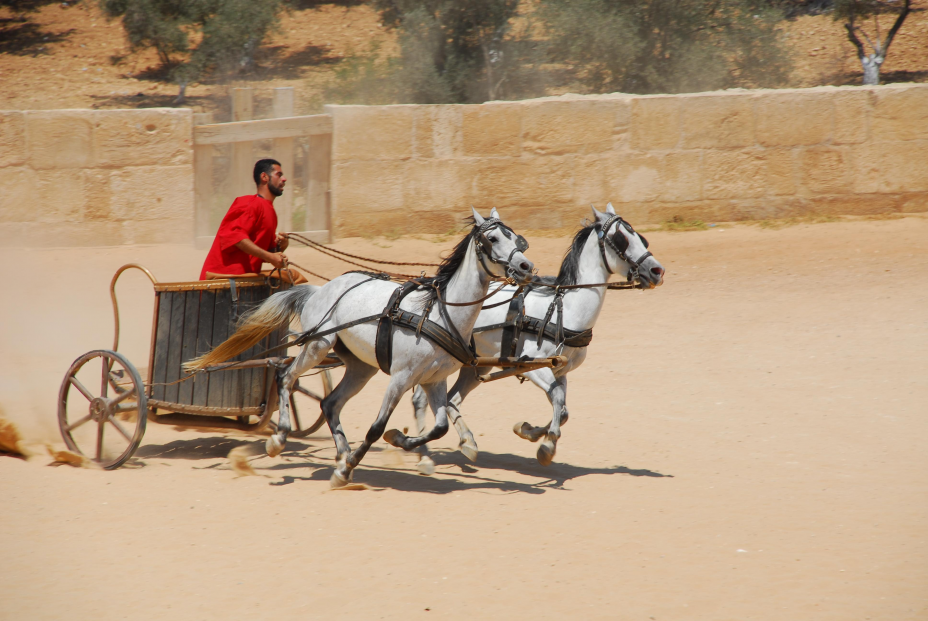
570, 266
447, 268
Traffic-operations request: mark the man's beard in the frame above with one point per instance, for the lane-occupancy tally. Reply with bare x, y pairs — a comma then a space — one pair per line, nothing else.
275, 190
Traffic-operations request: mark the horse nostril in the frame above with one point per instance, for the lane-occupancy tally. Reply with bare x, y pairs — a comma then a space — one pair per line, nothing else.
657, 271
524, 266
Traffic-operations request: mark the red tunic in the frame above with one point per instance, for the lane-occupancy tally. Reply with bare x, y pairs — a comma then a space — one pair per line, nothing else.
250, 217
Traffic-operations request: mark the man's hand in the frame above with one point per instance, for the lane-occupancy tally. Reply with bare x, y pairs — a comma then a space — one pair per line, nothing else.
282, 242
277, 259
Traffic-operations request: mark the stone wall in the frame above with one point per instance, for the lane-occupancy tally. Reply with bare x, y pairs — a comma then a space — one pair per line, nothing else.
720, 156
96, 178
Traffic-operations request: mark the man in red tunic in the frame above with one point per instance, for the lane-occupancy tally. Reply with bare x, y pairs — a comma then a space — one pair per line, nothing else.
248, 235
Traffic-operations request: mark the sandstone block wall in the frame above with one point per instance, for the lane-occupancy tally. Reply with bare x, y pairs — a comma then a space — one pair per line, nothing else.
96, 177
720, 156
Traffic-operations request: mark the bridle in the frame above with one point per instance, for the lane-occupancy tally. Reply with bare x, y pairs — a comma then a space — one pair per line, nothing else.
484, 246
605, 239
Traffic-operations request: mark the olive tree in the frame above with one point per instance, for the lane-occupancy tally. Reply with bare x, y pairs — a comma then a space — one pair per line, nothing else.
854, 11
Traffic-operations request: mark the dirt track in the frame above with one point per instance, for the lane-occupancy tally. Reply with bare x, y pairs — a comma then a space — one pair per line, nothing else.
746, 442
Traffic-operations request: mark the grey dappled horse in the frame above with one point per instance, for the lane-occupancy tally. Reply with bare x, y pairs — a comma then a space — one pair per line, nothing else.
489, 250
588, 261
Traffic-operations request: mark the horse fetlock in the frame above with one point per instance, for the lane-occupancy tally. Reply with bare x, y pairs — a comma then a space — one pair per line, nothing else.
468, 447
274, 445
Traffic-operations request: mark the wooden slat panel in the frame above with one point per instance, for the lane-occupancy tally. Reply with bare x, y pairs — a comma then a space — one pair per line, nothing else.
254, 392
162, 334
221, 312
189, 346
175, 347
247, 131
204, 344
232, 377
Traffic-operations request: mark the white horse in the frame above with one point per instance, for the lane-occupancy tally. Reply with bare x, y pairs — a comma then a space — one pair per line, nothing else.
607, 246
490, 249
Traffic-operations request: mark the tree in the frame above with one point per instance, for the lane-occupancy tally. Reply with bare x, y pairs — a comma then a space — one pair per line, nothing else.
454, 51
853, 10
229, 33
667, 46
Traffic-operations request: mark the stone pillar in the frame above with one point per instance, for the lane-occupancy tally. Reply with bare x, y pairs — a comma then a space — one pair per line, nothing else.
283, 153
243, 109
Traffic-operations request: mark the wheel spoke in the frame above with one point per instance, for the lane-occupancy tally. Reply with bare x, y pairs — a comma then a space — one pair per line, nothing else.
124, 395
77, 424
105, 383
80, 387
120, 429
308, 393
100, 428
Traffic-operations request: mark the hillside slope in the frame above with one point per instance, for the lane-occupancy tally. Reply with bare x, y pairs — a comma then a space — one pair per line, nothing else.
71, 56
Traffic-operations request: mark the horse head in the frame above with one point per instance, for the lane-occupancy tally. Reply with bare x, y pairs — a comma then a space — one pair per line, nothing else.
625, 251
500, 250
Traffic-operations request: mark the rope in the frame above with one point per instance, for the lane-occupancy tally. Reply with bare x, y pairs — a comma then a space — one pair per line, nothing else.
332, 252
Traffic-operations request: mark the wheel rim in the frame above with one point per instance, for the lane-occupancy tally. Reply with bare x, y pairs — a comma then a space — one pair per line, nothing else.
326, 386
105, 425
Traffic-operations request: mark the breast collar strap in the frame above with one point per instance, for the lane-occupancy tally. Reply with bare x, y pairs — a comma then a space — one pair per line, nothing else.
605, 239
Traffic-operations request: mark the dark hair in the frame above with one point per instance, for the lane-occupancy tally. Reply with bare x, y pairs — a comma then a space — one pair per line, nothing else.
570, 267
264, 166
449, 265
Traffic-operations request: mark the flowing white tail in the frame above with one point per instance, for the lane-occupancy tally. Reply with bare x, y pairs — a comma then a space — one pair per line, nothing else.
277, 310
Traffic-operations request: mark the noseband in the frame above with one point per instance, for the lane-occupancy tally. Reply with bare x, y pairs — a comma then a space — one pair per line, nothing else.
605, 239
484, 245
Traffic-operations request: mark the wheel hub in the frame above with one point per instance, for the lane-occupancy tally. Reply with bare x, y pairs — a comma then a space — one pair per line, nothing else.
99, 409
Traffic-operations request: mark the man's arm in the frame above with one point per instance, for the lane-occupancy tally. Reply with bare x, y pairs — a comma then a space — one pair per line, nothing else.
274, 258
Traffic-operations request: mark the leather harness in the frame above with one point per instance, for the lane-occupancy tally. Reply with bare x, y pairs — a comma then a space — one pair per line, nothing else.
518, 322
393, 316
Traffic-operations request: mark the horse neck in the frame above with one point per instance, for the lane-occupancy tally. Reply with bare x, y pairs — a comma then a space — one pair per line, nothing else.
583, 305
470, 282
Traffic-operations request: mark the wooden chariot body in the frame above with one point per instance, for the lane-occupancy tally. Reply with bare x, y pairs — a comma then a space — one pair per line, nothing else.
191, 318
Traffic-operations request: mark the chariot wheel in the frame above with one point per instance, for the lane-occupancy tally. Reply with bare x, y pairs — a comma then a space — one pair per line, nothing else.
305, 397
103, 417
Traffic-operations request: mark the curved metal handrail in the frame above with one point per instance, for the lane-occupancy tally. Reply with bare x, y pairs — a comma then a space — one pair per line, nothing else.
116, 276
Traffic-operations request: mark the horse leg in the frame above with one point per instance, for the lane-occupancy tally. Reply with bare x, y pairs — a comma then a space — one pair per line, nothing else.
557, 396
398, 386
466, 382
357, 375
310, 355
437, 394
420, 403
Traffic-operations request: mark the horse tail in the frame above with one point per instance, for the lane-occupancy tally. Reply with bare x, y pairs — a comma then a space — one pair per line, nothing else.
277, 310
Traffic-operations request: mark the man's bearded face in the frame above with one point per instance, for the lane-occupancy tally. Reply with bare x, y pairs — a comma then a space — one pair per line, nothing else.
276, 181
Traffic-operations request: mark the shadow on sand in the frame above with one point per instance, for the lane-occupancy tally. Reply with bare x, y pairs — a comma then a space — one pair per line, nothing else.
493, 472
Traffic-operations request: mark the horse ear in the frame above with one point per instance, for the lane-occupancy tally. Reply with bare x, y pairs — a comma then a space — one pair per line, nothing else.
610, 209
494, 214
597, 214
478, 219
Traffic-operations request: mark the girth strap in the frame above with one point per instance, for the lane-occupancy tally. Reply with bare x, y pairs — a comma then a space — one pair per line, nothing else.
393, 317
383, 344
512, 328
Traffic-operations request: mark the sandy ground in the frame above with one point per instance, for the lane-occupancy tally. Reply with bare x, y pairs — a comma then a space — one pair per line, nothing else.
746, 442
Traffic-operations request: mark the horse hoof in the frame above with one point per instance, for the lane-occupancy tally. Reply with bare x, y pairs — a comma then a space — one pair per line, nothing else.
524, 431
426, 466
546, 452
339, 479
274, 446
394, 437
469, 449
